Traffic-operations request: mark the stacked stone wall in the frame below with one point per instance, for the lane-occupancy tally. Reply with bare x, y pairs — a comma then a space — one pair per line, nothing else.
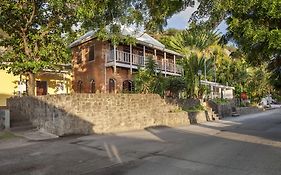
96, 113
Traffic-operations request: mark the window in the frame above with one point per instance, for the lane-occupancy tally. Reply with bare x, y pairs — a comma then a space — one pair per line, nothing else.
91, 53
93, 86
79, 57
112, 85
128, 86
79, 86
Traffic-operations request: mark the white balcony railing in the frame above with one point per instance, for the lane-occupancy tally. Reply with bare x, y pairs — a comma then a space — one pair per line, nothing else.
138, 60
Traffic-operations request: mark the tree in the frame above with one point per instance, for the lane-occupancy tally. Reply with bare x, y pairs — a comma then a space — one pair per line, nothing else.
199, 47
174, 85
37, 34
148, 80
38, 31
253, 25
150, 14
191, 66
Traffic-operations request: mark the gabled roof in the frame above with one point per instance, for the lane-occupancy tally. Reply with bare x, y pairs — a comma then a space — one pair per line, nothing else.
141, 37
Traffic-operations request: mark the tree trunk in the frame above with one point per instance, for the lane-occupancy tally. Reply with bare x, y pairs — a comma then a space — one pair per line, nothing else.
31, 84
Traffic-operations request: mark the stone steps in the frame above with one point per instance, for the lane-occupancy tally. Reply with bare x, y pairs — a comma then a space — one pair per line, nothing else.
214, 116
22, 126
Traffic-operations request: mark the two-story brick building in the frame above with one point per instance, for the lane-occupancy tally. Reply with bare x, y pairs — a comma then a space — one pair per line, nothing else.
104, 67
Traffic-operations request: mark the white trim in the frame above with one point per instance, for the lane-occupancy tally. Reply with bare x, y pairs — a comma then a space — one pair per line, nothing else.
114, 59
165, 64
144, 59
175, 64
131, 58
204, 82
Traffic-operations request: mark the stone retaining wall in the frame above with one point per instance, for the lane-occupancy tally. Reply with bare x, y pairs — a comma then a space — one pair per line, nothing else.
223, 110
199, 117
248, 110
96, 113
183, 103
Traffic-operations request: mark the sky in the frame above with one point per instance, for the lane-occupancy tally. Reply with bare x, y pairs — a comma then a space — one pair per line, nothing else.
180, 20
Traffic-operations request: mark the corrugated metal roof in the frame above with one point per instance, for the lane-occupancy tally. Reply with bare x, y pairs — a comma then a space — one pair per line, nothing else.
141, 37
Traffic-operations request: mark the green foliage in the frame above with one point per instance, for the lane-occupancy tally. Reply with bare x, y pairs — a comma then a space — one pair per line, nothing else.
231, 67
7, 135
253, 25
35, 34
221, 101
191, 67
148, 80
176, 110
174, 85
151, 14
197, 44
196, 108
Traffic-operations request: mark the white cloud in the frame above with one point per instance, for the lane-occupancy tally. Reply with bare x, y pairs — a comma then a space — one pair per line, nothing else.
180, 20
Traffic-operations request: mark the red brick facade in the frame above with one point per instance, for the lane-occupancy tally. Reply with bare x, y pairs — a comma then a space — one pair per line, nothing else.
95, 75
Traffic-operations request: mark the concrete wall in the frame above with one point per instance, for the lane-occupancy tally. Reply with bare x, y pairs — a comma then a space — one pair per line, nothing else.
4, 118
96, 113
8, 85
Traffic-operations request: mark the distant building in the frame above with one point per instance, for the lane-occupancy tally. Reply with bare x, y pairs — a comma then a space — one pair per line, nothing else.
218, 90
47, 82
104, 67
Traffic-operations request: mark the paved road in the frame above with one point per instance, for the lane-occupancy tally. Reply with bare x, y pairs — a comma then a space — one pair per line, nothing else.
246, 145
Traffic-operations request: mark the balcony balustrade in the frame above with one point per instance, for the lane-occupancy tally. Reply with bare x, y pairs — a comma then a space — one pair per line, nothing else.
123, 59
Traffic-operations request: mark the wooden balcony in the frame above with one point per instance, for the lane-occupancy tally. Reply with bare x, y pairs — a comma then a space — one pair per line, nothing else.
134, 61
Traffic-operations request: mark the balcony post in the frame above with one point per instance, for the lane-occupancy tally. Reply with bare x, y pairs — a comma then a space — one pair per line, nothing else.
131, 59
165, 64
175, 65
144, 61
115, 57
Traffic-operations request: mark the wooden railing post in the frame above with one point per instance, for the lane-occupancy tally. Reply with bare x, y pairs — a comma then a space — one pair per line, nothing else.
144, 61
131, 59
175, 65
165, 64
115, 57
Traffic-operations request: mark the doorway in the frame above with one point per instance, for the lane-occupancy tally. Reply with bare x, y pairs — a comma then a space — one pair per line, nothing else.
41, 88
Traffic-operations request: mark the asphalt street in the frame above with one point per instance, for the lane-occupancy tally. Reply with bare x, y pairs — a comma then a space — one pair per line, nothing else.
245, 145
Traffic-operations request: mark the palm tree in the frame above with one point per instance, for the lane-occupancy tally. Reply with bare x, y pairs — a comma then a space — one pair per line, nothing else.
199, 47
195, 40
191, 67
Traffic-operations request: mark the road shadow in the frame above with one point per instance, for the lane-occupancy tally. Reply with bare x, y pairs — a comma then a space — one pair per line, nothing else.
266, 125
155, 150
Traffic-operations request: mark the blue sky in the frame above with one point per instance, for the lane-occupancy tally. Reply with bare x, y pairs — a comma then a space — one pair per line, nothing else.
180, 20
